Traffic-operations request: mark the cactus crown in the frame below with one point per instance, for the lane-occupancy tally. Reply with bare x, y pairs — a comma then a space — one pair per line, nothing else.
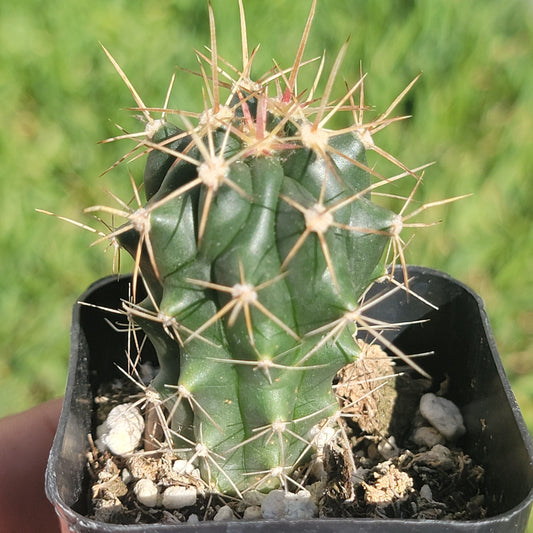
256, 244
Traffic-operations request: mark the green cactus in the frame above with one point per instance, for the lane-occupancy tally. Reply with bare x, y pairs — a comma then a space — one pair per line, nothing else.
258, 239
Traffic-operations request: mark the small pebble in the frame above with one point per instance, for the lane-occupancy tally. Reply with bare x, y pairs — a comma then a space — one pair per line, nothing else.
279, 504
439, 456
425, 492
273, 505
146, 492
122, 431
387, 448
176, 497
427, 436
224, 514
126, 476
300, 505
252, 513
182, 467
443, 415
253, 498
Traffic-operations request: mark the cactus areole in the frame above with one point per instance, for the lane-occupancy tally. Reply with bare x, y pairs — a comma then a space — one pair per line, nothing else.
258, 238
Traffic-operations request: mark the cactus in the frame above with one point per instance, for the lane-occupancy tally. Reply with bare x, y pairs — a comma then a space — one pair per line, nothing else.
257, 241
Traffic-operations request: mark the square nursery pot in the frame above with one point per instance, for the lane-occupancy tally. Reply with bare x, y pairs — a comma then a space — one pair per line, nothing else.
458, 333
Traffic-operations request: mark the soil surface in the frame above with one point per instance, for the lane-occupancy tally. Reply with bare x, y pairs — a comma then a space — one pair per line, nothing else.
377, 466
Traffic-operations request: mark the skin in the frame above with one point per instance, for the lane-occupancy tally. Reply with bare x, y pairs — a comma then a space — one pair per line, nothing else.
25, 441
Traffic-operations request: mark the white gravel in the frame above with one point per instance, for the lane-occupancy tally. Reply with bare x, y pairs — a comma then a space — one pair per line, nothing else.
279, 504
224, 514
122, 431
428, 436
443, 415
146, 492
176, 497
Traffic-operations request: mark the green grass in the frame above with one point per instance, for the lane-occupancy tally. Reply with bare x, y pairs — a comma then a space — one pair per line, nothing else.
472, 115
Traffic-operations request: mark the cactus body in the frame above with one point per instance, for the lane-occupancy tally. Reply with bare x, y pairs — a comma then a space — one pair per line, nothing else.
257, 376
258, 238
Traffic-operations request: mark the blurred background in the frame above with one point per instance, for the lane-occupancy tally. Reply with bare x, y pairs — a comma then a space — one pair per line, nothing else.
472, 114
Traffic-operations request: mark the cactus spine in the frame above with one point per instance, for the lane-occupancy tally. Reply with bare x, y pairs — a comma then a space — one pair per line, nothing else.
258, 239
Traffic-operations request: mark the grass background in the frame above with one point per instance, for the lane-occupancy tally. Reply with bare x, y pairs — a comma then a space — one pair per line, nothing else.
472, 114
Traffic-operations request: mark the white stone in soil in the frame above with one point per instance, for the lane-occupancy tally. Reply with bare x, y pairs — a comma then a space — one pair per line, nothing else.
224, 514
428, 436
253, 498
425, 492
279, 504
146, 492
193, 519
252, 513
273, 505
122, 431
183, 467
300, 505
443, 415
439, 456
176, 497
126, 476
387, 448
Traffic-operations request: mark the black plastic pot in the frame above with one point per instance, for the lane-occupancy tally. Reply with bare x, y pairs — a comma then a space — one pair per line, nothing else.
460, 336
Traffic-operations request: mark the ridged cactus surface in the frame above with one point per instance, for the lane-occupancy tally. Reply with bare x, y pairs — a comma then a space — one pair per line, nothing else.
257, 240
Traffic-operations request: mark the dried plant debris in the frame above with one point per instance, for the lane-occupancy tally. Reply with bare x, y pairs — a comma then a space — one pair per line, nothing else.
364, 470
440, 483
378, 396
